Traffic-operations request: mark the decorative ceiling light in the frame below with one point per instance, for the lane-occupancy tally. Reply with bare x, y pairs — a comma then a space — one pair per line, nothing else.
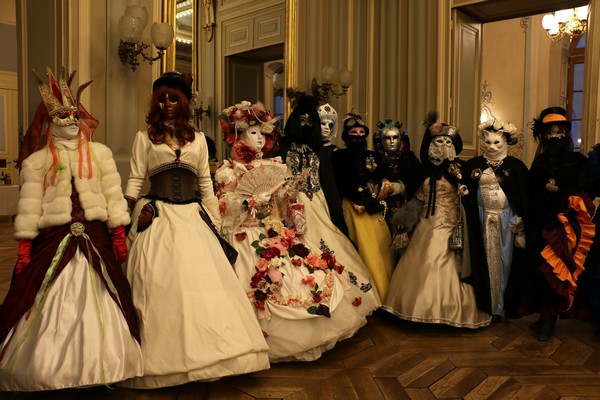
571, 21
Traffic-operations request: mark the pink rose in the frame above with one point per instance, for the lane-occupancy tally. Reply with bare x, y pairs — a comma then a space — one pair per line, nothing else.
312, 261
309, 280
274, 274
262, 264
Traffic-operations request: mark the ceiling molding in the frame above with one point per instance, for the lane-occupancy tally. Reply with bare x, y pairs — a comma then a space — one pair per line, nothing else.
498, 10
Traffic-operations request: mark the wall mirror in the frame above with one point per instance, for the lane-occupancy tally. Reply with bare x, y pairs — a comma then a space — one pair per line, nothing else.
181, 56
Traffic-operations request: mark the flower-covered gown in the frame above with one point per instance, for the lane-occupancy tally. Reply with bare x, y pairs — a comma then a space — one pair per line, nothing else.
302, 296
301, 159
426, 285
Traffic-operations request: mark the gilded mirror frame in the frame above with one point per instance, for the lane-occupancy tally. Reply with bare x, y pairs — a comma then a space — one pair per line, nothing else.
169, 15
290, 51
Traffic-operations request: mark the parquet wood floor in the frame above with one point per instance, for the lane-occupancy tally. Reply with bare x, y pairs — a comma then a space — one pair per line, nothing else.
390, 359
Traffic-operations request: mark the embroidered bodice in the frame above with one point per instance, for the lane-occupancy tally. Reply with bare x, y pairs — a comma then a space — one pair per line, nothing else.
446, 201
299, 158
490, 192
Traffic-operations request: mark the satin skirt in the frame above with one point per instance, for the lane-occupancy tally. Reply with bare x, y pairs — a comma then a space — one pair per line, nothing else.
426, 286
74, 337
320, 227
196, 322
293, 333
373, 239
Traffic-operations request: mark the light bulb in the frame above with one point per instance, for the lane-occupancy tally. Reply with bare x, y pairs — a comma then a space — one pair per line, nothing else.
138, 12
161, 34
130, 29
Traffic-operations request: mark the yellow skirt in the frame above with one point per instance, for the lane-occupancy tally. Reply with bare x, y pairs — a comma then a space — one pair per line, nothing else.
373, 239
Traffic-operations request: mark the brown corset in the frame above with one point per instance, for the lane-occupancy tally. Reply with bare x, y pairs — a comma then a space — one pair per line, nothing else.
177, 185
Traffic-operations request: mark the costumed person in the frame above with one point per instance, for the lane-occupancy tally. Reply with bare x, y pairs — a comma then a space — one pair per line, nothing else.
501, 183
196, 322
68, 320
592, 262
429, 283
361, 182
559, 230
304, 299
403, 168
329, 127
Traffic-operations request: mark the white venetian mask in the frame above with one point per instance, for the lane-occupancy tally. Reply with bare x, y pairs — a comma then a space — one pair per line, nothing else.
64, 131
254, 137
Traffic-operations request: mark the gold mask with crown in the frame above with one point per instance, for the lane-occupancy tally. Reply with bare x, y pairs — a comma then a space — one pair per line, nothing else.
62, 106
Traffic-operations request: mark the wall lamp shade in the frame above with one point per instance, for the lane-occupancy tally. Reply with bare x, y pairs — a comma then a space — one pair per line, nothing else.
131, 27
571, 22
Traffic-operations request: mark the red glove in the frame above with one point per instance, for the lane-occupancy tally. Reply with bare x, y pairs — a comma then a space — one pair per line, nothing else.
119, 246
23, 255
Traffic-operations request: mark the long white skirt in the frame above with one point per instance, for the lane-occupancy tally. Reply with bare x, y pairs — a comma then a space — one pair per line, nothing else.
292, 332
78, 337
319, 226
196, 322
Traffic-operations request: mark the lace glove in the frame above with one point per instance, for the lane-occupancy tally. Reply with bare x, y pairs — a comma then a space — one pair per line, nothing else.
263, 198
23, 255
119, 245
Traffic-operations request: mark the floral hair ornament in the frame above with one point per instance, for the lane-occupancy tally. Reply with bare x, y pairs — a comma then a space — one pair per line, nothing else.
238, 118
495, 125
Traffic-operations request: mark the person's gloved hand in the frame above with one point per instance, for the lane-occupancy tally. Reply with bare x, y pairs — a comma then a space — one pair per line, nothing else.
23, 255
119, 245
263, 198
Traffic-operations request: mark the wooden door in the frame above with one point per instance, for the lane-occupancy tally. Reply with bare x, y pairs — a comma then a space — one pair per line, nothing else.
466, 77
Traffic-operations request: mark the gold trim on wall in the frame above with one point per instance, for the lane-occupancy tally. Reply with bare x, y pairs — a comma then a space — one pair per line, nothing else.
169, 10
290, 50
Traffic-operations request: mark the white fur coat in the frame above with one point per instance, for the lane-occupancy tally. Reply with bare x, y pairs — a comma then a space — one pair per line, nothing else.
101, 196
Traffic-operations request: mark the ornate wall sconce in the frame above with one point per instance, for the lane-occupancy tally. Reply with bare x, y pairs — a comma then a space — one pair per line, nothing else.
131, 27
571, 21
198, 108
334, 84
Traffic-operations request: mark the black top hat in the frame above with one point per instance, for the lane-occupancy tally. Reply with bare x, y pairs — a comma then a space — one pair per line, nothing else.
177, 80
